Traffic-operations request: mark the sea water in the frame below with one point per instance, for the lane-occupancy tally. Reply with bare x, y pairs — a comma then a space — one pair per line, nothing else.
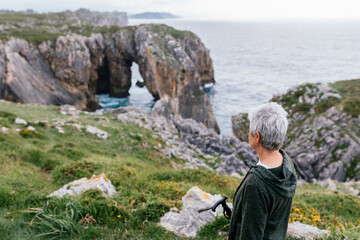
254, 60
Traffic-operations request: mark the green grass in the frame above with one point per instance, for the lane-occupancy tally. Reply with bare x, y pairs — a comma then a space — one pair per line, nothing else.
37, 28
163, 30
33, 166
349, 90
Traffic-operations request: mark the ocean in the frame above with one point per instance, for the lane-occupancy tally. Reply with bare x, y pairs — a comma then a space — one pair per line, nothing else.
254, 60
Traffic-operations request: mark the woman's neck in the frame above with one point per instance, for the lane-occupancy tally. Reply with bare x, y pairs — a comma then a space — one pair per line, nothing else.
271, 159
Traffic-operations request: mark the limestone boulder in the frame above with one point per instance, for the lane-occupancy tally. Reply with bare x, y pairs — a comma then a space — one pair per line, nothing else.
20, 121
69, 110
307, 232
77, 187
4, 129
189, 220
95, 131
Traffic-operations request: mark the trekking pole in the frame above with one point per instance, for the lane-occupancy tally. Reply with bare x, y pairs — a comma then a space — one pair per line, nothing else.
226, 209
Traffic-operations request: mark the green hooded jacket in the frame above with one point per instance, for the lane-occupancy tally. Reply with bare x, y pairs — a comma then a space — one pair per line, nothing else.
262, 203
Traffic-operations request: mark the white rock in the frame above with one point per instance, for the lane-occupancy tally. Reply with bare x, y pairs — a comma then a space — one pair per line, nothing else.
4, 129
99, 133
77, 187
330, 184
189, 221
18, 129
60, 129
20, 121
77, 126
354, 191
235, 174
69, 110
303, 231
31, 128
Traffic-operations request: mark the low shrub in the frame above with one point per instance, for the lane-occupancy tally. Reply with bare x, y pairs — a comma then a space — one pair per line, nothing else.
74, 170
325, 104
352, 107
151, 212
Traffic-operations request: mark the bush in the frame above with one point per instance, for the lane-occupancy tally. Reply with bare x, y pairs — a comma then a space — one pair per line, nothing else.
11, 117
74, 170
325, 104
352, 107
151, 212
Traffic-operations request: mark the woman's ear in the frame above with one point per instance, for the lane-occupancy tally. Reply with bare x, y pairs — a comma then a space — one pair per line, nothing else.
257, 137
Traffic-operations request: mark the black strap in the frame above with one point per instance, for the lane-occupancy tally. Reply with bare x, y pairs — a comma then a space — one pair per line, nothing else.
276, 211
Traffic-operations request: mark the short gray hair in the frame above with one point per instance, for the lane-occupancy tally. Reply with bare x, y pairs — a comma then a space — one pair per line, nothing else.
270, 121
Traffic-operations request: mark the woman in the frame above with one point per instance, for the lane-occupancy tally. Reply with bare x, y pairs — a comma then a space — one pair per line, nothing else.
262, 202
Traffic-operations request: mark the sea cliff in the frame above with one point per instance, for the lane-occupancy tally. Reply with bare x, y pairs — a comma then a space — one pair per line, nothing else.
69, 69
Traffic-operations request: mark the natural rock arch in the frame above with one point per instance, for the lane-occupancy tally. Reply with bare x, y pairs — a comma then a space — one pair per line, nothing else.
173, 64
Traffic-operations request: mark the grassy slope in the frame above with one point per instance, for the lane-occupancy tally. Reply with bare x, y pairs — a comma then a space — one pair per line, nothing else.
33, 166
37, 28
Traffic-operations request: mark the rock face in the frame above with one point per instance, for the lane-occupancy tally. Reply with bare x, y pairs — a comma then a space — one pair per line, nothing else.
189, 221
322, 139
29, 78
174, 65
77, 187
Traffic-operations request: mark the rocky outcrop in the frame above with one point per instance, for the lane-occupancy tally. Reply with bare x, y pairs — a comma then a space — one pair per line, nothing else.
191, 141
87, 17
323, 140
174, 65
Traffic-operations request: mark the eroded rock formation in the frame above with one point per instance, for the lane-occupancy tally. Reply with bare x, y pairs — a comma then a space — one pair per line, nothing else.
173, 64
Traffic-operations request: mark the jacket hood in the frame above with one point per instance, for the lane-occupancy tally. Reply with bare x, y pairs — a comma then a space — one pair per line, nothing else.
285, 186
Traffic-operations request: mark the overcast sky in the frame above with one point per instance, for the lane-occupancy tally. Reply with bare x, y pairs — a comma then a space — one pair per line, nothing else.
205, 9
